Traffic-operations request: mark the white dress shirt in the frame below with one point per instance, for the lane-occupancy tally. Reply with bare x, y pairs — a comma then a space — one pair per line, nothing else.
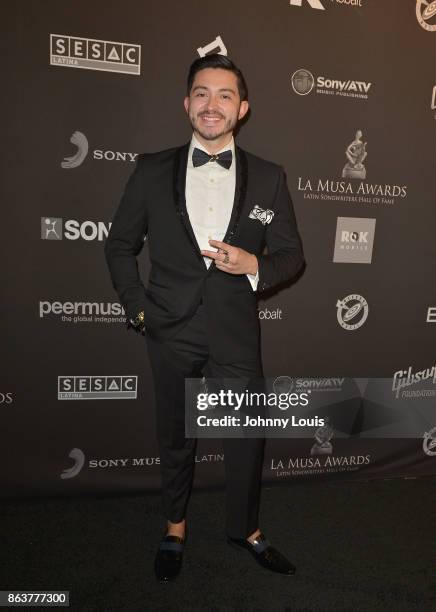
210, 192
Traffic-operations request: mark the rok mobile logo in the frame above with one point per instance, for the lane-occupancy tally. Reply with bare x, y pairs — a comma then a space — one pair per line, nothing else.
354, 240
303, 82
93, 54
54, 228
425, 12
352, 311
79, 140
97, 387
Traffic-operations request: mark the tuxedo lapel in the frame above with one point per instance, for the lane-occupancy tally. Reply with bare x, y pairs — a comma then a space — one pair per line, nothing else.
240, 193
179, 186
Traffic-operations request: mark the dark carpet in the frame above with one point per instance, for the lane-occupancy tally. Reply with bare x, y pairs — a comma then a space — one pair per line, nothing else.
358, 546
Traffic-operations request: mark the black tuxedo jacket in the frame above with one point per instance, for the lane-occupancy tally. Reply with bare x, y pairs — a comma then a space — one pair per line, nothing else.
153, 204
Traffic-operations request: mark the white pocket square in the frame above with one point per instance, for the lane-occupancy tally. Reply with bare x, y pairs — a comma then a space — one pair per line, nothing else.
264, 216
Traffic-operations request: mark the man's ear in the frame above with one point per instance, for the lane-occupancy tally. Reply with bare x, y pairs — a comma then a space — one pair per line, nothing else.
186, 104
243, 109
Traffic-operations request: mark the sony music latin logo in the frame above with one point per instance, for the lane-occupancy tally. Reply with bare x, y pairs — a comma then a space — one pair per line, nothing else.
104, 463
215, 46
55, 228
79, 459
94, 54
303, 82
354, 240
352, 311
317, 4
426, 14
354, 188
80, 141
97, 387
82, 312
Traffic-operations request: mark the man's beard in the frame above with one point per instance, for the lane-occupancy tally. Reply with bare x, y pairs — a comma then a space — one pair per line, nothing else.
228, 127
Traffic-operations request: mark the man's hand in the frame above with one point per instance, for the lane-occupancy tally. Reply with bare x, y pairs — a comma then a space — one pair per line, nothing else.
232, 259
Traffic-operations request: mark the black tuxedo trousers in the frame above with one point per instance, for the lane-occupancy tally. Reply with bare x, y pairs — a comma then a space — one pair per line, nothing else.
187, 355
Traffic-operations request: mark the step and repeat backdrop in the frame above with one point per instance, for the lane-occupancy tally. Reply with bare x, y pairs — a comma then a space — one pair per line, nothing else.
343, 96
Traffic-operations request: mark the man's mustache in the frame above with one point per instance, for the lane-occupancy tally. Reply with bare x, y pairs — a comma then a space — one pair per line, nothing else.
203, 113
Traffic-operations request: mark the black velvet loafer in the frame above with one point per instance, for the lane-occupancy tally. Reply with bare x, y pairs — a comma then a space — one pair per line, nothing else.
169, 557
267, 556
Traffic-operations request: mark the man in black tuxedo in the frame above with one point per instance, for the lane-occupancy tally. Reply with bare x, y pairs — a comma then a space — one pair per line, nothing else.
208, 209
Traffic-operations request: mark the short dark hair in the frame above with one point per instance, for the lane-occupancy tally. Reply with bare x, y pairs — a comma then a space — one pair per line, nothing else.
216, 60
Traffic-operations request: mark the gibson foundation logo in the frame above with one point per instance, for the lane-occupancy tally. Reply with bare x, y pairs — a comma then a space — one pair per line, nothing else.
83, 312
79, 140
94, 54
426, 14
303, 82
352, 311
354, 240
97, 387
54, 228
403, 379
355, 189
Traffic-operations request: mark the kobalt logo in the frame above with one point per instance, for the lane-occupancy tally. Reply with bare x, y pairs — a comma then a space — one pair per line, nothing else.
94, 54
426, 11
352, 311
265, 313
79, 140
97, 387
216, 46
54, 228
303, 82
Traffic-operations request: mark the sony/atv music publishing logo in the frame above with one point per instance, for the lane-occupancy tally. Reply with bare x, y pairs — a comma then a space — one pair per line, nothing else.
94, 54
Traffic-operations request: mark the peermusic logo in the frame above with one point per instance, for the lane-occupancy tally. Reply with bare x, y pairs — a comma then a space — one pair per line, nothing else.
94, 54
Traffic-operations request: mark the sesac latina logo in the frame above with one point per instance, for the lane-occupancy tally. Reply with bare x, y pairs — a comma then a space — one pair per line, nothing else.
354, 240
317, 4
54, 228
354, 188
352, 311
303, 82
426, 14
94, 54
79, 140
429, 442
97, 387
216, 46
